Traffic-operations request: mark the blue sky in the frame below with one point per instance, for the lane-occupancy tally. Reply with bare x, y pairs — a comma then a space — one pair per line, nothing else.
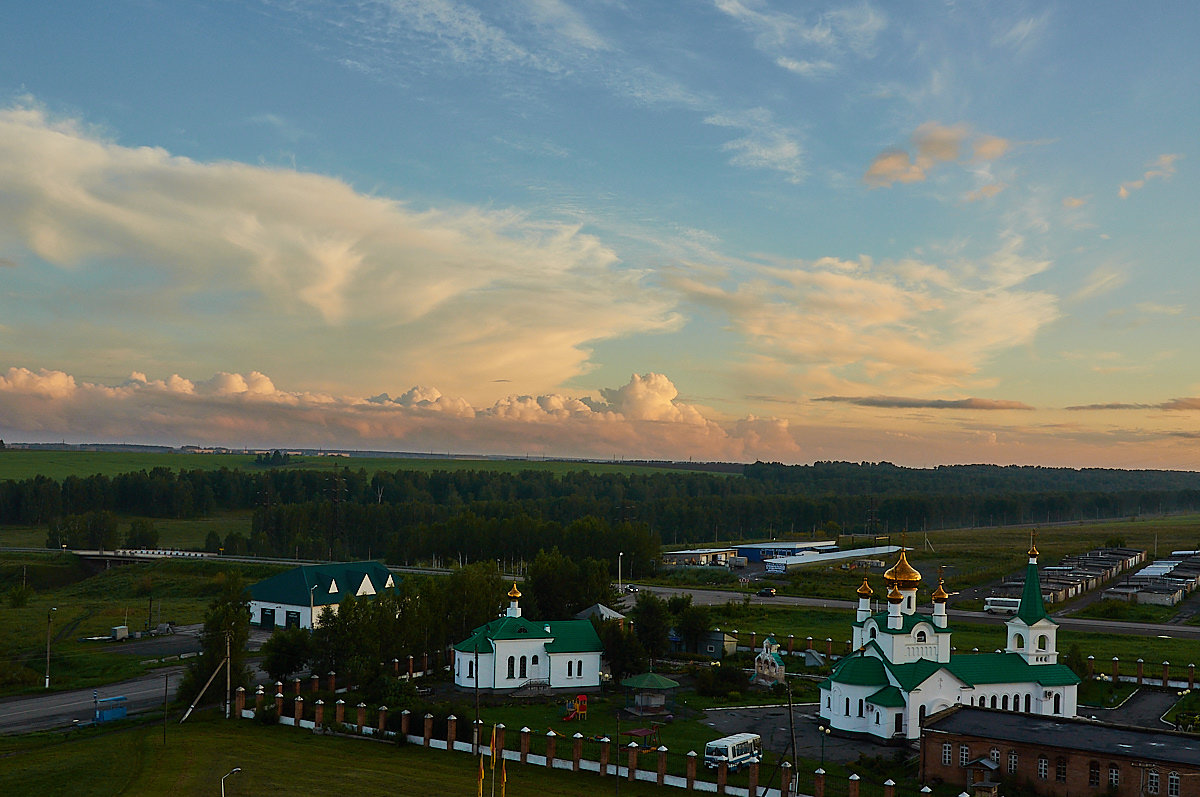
916, 232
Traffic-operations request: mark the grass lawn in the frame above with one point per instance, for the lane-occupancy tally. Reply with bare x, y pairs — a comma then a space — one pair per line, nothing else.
1126, 612
273, 760
1104, 694
1188, 704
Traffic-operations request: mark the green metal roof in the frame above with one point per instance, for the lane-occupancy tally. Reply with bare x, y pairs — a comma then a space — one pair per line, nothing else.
1032, 609
1002, 668
913, 674
859, 670
321, 585
887, 697
574, 636
563, 636
649, 680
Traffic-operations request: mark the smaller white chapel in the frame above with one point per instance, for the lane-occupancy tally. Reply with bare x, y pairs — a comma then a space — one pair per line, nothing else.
902, 668
512, 652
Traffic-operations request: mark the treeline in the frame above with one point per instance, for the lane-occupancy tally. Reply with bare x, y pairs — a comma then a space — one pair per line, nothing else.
466, 516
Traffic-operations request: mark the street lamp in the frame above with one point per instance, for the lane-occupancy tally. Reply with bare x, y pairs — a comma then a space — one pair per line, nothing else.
312, 620
823, 731
49, 614
620, 556
227, 774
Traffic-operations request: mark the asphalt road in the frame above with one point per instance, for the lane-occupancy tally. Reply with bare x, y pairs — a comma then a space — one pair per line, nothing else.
59, 709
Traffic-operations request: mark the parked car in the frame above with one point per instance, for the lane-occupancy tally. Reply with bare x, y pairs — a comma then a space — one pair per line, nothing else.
766, 592
630, 588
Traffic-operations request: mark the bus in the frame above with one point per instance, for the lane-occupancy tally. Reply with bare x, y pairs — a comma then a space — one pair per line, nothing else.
1001, 605
737, 751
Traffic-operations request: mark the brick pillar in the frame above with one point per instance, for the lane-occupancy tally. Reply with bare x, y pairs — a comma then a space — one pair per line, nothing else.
753, 640
1139, 672
524, 745
396, 667
383, 712
1091, 667
339, 712
604, 756
410, 666
319, 712
691, 770
425, 663
332, 680
808, 643
791, 643
577, 752
852, 787
361, 716
828, 648
279, 704
785, 778
405, 722
500, 739
278, 686
819, 783
296, 685
1116, 671
1191, 676
299, 702
551, 743
722, 776
476, 736
1166, 673
633, 755
889, 788
258, 699
428, 728
662, 765
314, 683
847, 647
239, 702
451, 732
753, 778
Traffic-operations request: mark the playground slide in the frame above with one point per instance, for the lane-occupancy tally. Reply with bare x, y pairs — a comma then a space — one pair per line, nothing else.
571, 716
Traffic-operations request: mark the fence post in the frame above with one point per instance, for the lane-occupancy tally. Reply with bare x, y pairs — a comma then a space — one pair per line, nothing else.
852, 788
428, 728
828, 648
396, 667
279, 704
1116, 669
296, 684
339, 712
383, 712
318, 713
819, 783
808, 643
239, 702
753, 778
1139, 672
1091, 667
332, 682
753, 640
299, 702
633, 754
405, 719
785, 778
662, 765
577, 752
258, 699
1191, 676
500, 739
524, 744
722, 776
279, 687
451, 732
476, 736
1166, 673
314, 682
604, 756
889, 788
691, 770
551, 743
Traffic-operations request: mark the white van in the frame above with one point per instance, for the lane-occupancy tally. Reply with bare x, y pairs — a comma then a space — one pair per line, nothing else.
1001, 605
737, 751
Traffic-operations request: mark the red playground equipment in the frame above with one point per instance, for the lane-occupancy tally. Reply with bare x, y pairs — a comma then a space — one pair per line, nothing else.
576, 709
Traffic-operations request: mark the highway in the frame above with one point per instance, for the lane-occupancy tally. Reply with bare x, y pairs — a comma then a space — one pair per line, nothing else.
61, 709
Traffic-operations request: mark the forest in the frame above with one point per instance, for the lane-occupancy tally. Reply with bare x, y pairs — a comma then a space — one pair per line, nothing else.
462, 516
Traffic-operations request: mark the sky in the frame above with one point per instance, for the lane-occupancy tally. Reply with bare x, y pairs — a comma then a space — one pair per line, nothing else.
918, 232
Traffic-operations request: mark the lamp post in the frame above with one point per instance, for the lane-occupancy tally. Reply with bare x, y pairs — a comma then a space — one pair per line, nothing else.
227, 774
823, 731
312, 619
49, 614
620, 556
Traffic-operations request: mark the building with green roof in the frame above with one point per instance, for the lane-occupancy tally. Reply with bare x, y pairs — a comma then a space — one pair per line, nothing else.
903, 668
514, 652
296, 598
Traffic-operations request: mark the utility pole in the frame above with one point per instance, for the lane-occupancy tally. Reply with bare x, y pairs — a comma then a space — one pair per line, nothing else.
165, 679
228, 637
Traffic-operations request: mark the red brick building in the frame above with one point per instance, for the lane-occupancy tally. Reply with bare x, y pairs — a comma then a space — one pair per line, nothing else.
1057, 756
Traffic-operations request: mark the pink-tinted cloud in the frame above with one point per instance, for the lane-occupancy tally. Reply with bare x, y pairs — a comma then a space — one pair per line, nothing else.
932, 144
900, 402
1163, 168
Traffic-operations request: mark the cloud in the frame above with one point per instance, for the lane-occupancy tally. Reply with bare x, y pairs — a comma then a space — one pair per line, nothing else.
985, 192
896, 402
766, 145
786, 38
300, 273
642, 419
1177, 404
1100, 281
1072, 202
932, 143
1163, 168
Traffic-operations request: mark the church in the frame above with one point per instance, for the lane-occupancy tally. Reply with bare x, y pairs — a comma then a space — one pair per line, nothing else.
903, 669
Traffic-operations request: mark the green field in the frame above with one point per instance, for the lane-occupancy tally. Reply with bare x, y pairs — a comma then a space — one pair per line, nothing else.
20, 464
273, 760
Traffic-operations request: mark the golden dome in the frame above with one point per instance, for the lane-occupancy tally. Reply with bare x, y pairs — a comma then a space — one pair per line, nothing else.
865, 589
1033, 551
902, 574
514, 593
894, 595
939, 594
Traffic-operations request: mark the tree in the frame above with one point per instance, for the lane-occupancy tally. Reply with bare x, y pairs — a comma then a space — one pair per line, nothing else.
651, 623
287, 652
212, 542
141, 534
692, 624
228, 618
622, 650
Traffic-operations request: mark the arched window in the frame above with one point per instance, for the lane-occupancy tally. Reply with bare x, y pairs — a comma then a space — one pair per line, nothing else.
921, 714
993, 701
1094, 774
1028, 703
874, 632
1004, 703
1152, 781
828, 700
470, 668
534, 662
570, 665
1172, 784
1016, 702
860, 707
847, 707
1012, 761
1018, 641
512, 667
921, 636
994, 754
1043, 642
1057, 703
1060, 769
579, 668
876, 717
524, 672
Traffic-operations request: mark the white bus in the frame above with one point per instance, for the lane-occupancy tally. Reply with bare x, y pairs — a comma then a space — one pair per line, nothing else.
737, 751
1001, 605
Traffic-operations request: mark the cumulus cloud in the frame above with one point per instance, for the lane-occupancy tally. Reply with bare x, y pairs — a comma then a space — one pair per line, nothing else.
932, 143
301, 272
643, 418
1163, 168
898, 402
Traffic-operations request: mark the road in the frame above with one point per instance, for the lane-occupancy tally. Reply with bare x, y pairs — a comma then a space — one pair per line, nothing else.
58, 709
713, 597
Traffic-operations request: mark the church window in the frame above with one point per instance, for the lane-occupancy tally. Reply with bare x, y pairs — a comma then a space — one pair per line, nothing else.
570, 666
860, 707
1028, 703
534, 661
470, 669
964, 755
1057, 703
899, 722
874, 631
828, 700
876, 717
1172, 784
921, 637
1093, 774
1018, 641
1016, 702
512, 662
579, 668
524, 673
993, 701
1060, 769
1012, 761
847, 707
994, 754
1043, 767
1114, 775
1152, 781
1043, 642
1004, 703
947, 753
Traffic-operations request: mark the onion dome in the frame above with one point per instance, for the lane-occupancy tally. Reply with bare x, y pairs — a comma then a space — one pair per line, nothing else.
1033, 551
939, 594
865, 590
894, 595
902, 574
514, 593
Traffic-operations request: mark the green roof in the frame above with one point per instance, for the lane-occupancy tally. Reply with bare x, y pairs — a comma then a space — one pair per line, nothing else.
573, 636
563, 636
915, 673
907, 623
1032, 609
649, 680
1002, 668
888, 696
857, 669
321, 585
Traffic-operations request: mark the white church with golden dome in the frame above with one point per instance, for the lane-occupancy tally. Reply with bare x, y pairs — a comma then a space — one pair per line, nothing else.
902, 668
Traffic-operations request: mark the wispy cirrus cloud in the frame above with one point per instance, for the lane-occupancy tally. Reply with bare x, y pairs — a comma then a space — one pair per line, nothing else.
1177, 404
789, 39
764, 145
900, 402
1163, 168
